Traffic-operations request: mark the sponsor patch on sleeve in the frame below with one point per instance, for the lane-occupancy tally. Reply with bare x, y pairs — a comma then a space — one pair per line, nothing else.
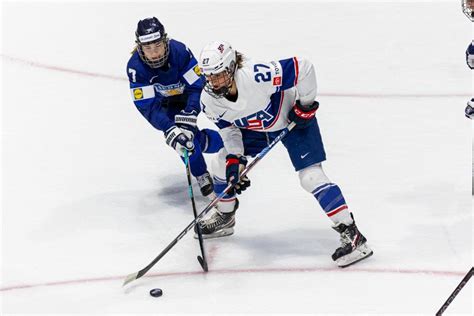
142, 93
276, 73
197, 70
138, 93
191, 76
277, 81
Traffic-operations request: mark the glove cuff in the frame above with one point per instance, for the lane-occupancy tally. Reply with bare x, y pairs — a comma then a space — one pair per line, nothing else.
234, 159
305, 111
186, 118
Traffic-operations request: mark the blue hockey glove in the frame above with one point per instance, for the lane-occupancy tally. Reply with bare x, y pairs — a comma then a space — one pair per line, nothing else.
303, 114
187, 120
469, 111
234, 166
180, 140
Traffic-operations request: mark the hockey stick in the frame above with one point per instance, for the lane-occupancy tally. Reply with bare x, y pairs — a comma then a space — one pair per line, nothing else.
455, 293
202, 259
132, 277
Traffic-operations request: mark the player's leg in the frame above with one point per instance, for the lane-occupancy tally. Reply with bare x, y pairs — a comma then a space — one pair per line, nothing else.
220, 221
210, 141
306, 151
199, 166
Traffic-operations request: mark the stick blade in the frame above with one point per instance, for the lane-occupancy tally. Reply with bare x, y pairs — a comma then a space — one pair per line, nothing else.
130, 278
203, 263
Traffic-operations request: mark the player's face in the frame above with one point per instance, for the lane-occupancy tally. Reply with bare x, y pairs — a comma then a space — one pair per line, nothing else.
218, 81
154, 51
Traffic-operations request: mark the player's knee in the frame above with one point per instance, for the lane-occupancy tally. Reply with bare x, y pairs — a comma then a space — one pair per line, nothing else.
312, 177
212, 141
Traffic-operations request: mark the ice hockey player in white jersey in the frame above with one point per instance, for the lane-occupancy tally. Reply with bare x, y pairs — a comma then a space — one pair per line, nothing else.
251, 102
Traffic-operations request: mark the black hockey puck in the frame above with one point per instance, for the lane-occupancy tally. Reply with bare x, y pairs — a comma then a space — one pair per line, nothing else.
156, 292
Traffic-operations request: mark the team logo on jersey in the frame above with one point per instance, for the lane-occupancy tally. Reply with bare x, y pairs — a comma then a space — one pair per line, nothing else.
197, 70
255, 121
169, 90
277, 81
221, 48
138, 93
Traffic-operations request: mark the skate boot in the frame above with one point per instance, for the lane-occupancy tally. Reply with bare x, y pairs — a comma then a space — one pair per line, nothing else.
205, 184
354, 245
218, 224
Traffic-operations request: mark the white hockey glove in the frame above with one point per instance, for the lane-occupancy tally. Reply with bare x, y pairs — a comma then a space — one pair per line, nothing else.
469, 111
187, 120
180, 140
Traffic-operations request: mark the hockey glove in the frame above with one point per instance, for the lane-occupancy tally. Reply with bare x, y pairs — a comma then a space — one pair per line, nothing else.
469, 111
303, 114
187, 120
234, 166
180, 140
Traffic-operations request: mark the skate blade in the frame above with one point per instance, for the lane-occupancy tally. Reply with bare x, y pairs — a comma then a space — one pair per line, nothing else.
360, 253
220, 233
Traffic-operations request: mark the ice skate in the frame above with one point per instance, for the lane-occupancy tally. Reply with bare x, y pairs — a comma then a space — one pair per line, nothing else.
218, 224
354, 246
205, 184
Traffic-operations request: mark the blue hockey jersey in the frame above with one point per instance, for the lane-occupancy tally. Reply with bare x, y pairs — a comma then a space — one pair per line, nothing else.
159, 94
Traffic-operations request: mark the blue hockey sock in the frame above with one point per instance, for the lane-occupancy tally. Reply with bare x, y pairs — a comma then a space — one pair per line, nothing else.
332, 201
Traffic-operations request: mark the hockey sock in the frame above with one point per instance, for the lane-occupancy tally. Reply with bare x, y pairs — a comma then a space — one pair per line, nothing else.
226, 204
332, 201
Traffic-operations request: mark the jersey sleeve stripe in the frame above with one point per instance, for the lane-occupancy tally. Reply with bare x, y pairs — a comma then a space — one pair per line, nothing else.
295, 61
290, 72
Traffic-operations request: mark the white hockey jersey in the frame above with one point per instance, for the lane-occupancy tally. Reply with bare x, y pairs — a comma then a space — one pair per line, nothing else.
266, 93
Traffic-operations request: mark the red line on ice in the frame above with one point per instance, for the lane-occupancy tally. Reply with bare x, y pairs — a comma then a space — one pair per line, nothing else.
327, 94
242, 271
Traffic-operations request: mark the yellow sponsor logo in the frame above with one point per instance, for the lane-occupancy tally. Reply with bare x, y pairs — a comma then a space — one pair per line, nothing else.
197, 70
174, 92
138, 93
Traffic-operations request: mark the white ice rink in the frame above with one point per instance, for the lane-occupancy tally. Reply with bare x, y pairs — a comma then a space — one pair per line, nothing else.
91, 192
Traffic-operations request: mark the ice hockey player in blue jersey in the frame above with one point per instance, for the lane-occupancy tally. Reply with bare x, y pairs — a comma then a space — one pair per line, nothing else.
251, 102
166, 85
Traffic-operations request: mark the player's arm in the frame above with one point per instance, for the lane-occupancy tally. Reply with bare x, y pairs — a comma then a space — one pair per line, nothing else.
235, 159
234, 145
149, 105
190, 75
300, 73
143, 96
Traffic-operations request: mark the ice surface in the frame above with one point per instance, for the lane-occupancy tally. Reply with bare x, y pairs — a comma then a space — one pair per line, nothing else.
91, 192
